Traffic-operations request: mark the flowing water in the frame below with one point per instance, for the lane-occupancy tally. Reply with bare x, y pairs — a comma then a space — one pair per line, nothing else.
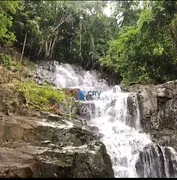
120, 135
116, 115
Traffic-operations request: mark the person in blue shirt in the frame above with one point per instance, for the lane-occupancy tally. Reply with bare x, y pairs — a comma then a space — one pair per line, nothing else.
81, 95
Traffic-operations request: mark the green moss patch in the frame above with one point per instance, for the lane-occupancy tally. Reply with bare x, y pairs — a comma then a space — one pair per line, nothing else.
44, 97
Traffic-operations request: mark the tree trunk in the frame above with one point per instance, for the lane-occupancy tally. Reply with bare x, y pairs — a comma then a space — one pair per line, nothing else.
24, 43
52, 46
80, 48
174, 38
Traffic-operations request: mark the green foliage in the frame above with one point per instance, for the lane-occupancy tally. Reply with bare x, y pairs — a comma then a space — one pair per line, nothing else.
43, 97
66, 31
146, 52
138, 43
17, 65
5, 60
6, 9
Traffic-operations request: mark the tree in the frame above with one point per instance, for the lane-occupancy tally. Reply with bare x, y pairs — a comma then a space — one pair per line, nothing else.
7, 8
146, 52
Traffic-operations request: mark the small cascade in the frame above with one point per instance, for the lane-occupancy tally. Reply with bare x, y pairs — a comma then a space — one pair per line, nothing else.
69, 76
118, 127
155, 161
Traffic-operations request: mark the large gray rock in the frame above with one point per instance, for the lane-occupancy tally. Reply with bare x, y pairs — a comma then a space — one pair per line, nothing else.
158, 111
50, 146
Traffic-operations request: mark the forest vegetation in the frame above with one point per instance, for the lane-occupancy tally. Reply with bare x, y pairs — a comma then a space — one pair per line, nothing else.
137, 43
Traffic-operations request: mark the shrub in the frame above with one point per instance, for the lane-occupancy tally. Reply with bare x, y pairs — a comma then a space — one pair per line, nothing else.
5, 60
44, 97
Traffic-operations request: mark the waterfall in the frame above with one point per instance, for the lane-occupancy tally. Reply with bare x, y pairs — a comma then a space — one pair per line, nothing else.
120, 134
67, 76
117, 117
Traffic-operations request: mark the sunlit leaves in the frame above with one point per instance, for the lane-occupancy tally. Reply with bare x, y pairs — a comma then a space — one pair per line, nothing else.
7, 8
146, 51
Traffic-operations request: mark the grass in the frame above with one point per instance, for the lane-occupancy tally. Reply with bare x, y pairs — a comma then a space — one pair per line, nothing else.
44, 97
7, 62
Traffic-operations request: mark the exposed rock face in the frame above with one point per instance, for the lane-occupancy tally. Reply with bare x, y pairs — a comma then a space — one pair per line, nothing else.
156, 162
47, 146
45, 74
86, 109
34, 144
132, 110
158, 110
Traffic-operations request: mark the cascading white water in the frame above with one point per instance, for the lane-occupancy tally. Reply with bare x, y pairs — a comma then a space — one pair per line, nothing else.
122, 141
117, 117
67, 76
